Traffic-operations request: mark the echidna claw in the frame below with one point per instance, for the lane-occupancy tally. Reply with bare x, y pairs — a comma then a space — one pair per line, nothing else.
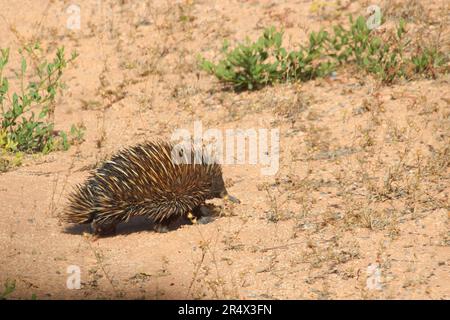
192, 218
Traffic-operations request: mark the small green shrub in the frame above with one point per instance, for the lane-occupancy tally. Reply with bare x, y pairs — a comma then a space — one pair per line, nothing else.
248, 66
254, 65
27, 115
382, 58
264, 62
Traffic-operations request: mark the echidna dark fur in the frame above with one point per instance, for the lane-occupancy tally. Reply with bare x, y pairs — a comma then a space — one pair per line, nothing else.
144, 181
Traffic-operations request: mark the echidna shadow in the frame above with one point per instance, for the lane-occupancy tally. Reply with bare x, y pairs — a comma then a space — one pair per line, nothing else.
159, 181
143, 224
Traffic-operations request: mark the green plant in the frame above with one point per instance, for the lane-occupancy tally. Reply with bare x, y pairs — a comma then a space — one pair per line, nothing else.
248, 66
9, 287
27, 115
383, 58
428, 61
264, 62
252, 65
309, 62
77, 133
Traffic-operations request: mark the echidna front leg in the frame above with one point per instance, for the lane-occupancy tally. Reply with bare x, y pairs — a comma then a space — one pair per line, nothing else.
102, 229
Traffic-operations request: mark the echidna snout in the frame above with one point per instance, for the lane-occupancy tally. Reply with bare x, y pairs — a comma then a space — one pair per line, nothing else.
218, 190
231, 198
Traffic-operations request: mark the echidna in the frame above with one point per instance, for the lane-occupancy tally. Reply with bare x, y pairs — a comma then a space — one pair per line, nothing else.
154, 180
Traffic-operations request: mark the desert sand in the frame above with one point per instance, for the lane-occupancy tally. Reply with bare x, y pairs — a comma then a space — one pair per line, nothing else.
358, 208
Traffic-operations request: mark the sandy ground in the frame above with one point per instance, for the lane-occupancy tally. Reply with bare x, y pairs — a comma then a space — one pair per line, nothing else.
363, 181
